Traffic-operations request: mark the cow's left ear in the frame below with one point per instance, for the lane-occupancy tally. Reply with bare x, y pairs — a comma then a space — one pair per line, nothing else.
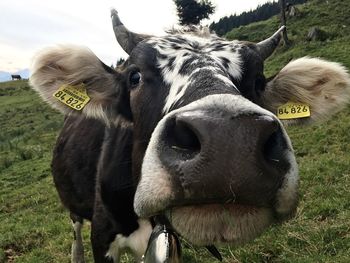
73, 80
321, 85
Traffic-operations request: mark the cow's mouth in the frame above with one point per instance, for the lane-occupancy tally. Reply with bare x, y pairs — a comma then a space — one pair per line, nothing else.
205, 225
211, 224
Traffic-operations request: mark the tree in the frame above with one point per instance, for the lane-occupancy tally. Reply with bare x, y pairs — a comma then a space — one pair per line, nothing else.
283, 20
191, 12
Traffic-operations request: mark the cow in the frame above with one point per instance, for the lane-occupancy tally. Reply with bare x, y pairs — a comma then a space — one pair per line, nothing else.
185, 130
16, 77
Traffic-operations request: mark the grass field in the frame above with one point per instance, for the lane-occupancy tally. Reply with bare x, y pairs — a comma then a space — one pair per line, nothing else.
34, 227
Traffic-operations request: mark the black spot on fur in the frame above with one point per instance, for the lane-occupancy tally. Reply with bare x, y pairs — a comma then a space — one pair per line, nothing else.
194, 45
225, 62
187, 65
219, 46
170, 65
177, 39
175, 46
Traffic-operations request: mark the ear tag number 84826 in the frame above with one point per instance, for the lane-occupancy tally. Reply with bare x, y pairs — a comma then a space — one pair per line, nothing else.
292, 110
74, 97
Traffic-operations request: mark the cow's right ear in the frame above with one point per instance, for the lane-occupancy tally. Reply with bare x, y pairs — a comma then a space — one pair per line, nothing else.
66, 67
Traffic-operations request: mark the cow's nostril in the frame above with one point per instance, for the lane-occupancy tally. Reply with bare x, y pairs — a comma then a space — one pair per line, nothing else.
274, 150
183, 137
270, 150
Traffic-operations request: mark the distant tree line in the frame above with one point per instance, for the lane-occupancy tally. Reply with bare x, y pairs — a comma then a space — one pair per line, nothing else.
262, 12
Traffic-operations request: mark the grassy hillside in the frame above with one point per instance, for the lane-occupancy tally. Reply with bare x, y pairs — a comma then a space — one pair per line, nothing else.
332, 16
34, 227
32, 222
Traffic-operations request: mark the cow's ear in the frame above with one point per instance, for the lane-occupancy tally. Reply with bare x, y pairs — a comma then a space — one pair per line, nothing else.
321, 85
63, 74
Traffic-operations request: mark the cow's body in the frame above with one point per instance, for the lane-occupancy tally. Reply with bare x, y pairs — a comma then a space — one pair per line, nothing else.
74, 163
16, 77
182, 134
103, 154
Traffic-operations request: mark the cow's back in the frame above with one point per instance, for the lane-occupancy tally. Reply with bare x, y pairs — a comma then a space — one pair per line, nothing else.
74, 163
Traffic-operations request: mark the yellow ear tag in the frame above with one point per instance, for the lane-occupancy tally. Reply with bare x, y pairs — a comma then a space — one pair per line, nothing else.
72, 96
292, 110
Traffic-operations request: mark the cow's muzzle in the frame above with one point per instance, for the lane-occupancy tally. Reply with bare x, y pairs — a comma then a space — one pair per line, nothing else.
216, 158
222, 155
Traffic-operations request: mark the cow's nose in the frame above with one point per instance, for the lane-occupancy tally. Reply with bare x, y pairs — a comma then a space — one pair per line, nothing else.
222, 158
185, 135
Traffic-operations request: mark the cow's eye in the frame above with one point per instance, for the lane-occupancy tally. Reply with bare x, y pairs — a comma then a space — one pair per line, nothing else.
135, 78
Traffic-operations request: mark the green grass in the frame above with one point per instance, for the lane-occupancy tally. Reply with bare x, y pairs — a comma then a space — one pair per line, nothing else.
34, 227
30, 214
333, 18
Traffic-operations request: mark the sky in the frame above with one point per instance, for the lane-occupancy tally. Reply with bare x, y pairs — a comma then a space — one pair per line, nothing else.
26, 26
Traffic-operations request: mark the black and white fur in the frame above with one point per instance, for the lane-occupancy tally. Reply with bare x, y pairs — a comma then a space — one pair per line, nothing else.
110, 164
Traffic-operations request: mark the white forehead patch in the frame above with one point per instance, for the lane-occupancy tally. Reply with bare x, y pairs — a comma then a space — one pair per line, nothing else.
180, 57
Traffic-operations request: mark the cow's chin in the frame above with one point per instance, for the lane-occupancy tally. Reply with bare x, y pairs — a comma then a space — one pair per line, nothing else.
219, 224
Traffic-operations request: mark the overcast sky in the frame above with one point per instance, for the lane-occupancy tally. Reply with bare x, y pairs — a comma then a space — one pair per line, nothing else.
28, 25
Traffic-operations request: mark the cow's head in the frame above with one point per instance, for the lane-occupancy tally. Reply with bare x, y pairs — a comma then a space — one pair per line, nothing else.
208, 151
